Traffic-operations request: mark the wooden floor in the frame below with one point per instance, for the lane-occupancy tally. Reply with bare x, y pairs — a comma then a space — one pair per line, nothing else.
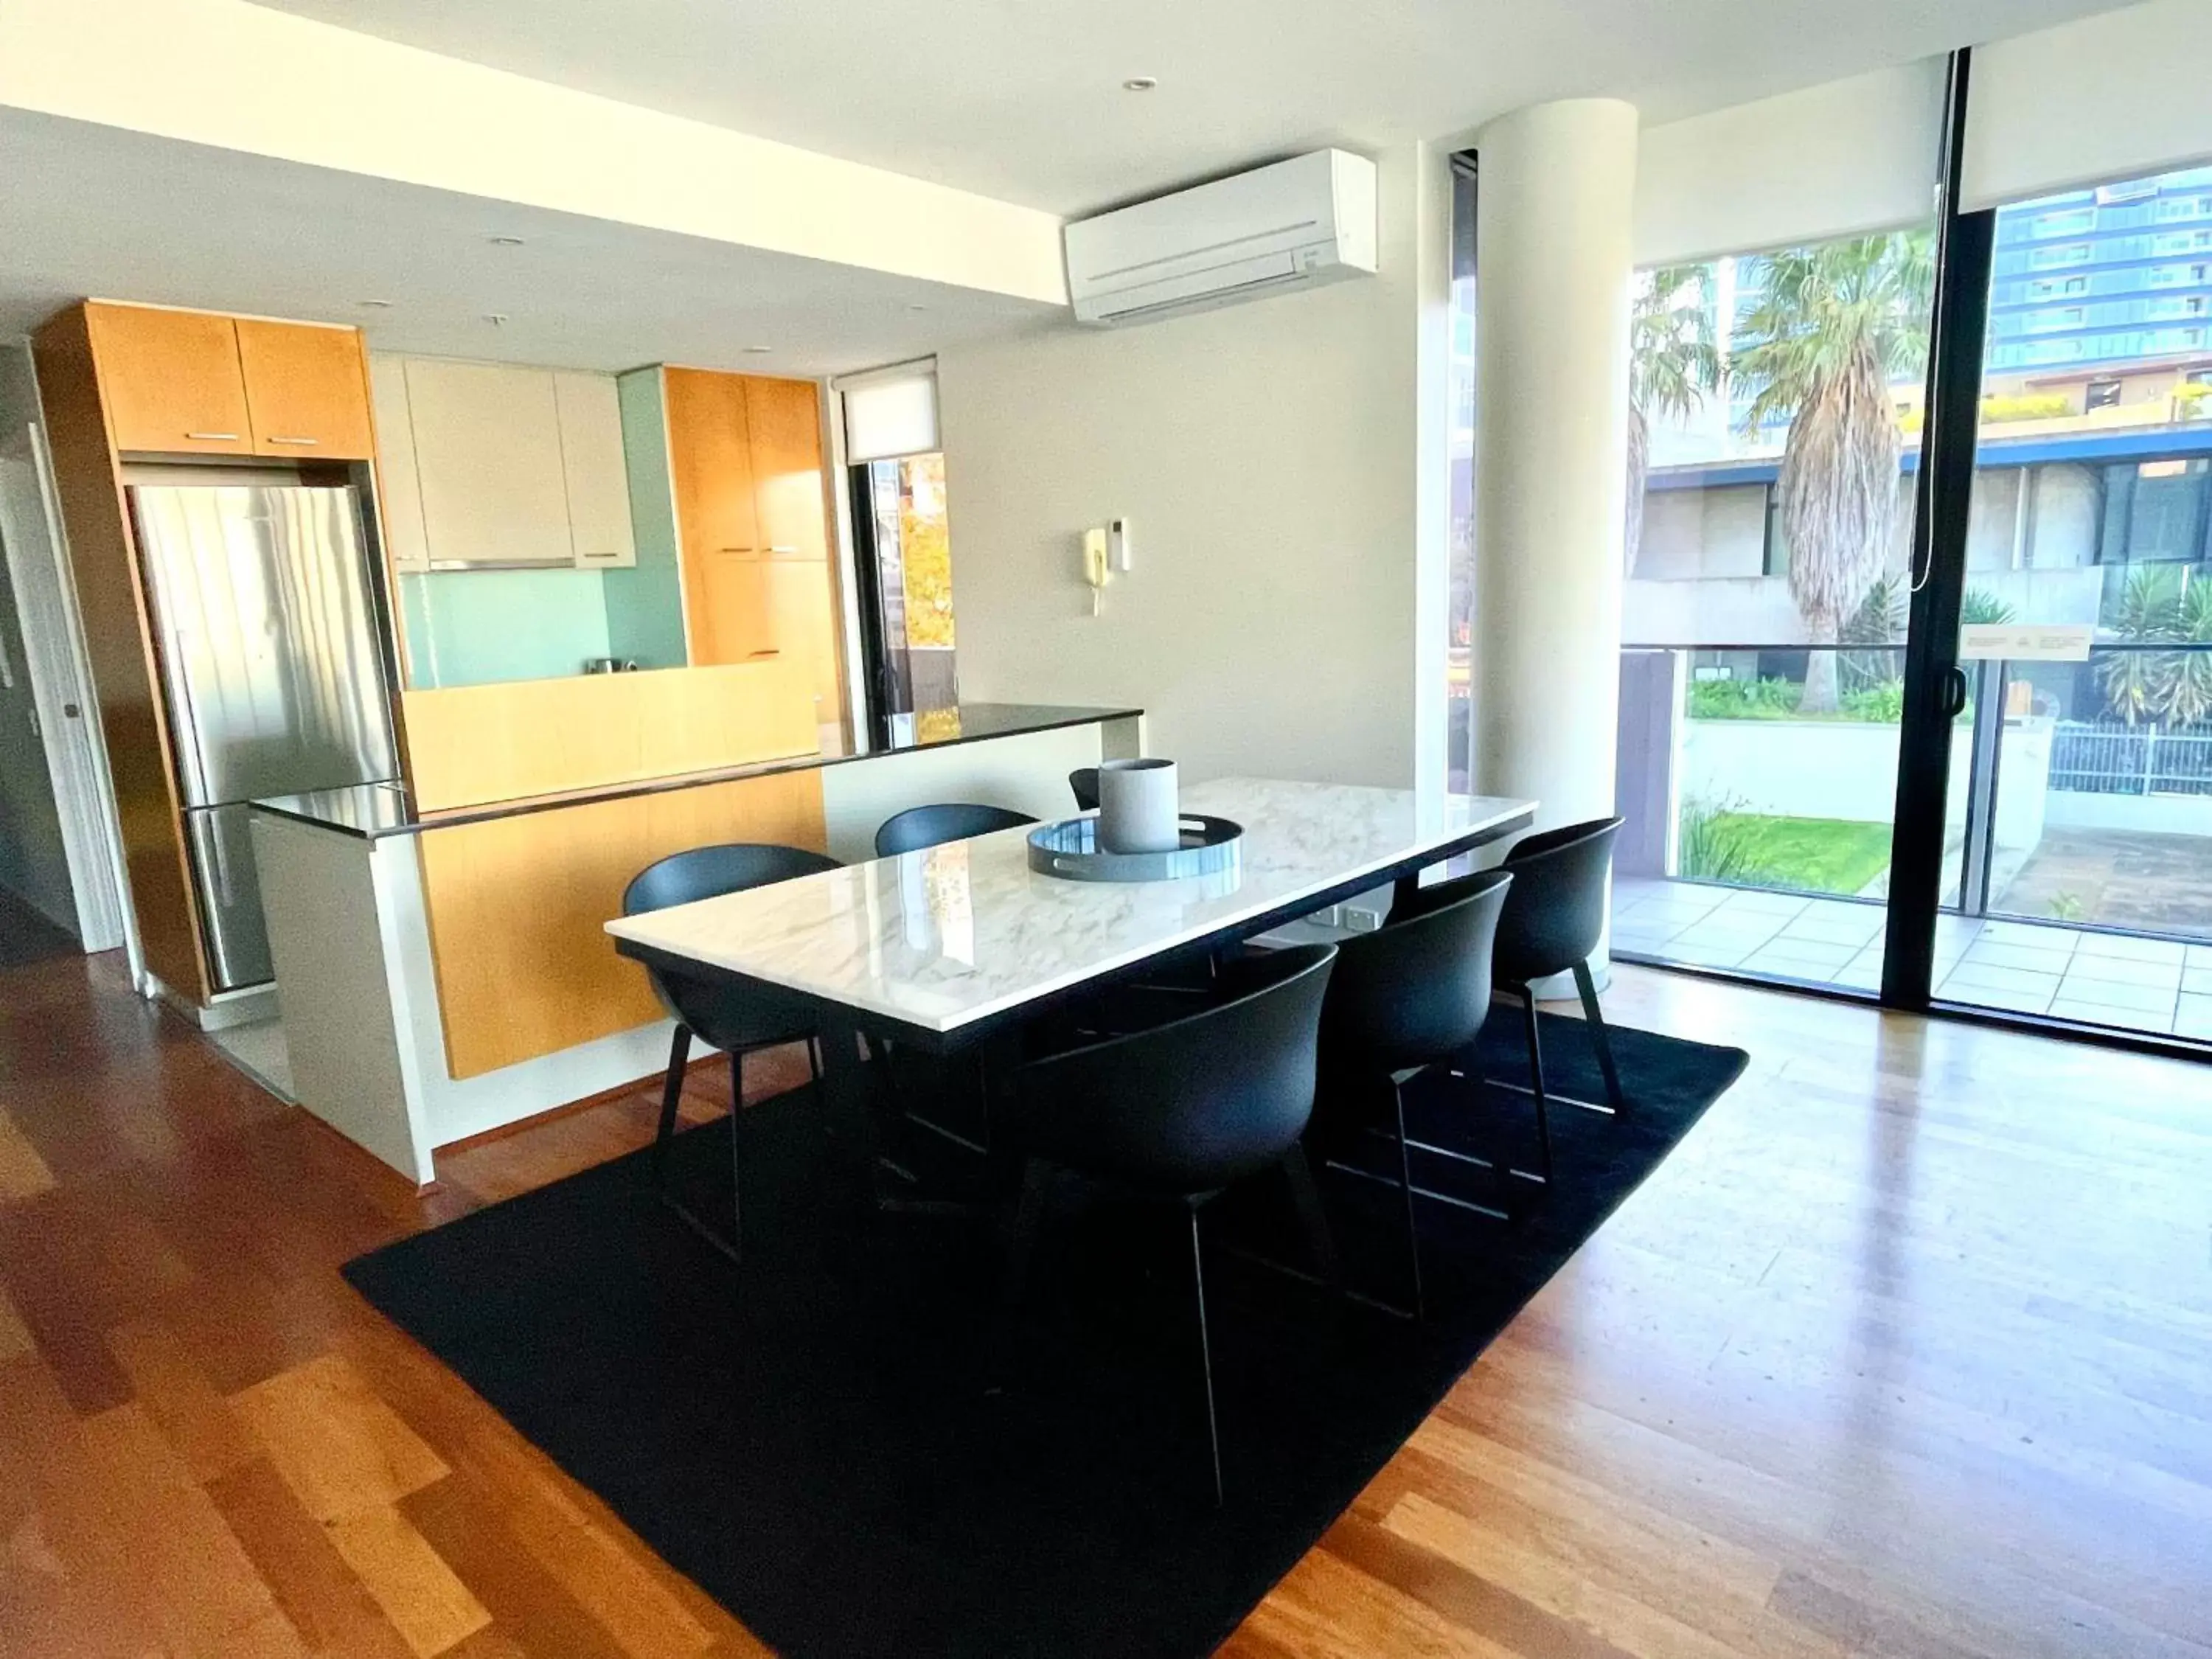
1908, 1351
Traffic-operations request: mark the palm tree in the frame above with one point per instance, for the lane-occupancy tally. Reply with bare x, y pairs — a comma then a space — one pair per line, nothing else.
2161, 605
1674, 361
1832, 326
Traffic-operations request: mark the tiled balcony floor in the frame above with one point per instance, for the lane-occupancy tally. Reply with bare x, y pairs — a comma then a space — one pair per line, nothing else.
2103, 979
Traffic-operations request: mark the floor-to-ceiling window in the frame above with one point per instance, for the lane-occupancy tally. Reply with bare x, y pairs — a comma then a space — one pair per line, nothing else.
1917, 671
2089, 821
912, 542
1460, 612
1774, 429
902, 543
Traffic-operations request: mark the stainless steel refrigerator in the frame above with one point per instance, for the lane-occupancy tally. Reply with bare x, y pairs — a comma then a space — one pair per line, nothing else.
273, 669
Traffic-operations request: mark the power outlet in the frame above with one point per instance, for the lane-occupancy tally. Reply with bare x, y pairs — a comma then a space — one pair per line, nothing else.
1358, 919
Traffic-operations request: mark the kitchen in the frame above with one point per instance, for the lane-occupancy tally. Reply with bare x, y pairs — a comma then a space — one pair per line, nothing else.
480, 639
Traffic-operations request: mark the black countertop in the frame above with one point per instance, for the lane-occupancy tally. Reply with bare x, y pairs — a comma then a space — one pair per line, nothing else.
373, 810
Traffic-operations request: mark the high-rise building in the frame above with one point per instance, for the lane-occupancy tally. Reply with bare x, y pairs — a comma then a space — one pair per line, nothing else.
2115, 274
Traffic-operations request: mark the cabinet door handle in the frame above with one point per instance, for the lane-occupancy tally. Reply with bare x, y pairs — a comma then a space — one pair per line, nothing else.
738, 550
764, 654
783, 549
274, 440
213, 437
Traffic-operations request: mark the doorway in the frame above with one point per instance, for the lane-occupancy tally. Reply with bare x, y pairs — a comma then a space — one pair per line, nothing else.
905, 565
902, 547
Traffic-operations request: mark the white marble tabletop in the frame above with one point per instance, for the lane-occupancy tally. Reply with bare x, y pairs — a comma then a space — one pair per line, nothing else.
953, 934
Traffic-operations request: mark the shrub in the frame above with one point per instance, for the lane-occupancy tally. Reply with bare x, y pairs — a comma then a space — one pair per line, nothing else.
1707, 852
2026, 406
1743, 700
1884, 703
1980, 605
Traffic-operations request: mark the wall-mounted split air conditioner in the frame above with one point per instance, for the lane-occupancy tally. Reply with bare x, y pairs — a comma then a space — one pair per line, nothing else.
1296, 224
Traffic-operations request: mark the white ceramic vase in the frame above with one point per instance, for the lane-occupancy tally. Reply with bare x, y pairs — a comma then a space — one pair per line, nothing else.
1137, 809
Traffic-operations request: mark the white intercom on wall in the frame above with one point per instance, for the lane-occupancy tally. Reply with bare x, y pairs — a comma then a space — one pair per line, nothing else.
1098, 569
1105, 550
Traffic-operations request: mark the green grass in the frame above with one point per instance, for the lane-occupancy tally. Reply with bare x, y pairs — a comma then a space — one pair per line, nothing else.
1879, 704
1817, 855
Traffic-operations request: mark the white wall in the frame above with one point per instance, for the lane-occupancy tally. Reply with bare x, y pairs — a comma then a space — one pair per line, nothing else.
1847, 769
1269, 459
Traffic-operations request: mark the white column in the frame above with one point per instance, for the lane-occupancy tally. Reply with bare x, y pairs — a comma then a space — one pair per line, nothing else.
1554, 197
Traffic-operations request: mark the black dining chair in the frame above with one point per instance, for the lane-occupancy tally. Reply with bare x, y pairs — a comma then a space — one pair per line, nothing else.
1083, 784
720, 1016
1553, 918
919, 827
1412, 994
1177, 1113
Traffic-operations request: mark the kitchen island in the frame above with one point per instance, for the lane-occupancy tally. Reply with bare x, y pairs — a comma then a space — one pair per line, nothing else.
442, 973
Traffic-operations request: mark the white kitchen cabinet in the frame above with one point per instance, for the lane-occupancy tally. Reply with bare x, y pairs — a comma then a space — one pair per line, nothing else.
488, 459
598, 482
397, 485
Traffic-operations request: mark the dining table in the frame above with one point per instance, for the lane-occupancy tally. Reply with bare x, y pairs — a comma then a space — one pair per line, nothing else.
956, 947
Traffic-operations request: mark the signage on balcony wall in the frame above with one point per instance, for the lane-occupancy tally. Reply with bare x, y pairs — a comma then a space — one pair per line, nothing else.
2025, 641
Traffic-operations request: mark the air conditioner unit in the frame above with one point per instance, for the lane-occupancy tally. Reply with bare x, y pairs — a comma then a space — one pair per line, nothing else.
1296, 224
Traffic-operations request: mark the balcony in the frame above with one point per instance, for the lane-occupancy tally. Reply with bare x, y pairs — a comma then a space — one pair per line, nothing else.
2078, 848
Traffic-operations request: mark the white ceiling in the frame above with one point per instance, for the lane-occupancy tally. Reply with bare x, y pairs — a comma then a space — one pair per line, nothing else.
1022, 98
94, 209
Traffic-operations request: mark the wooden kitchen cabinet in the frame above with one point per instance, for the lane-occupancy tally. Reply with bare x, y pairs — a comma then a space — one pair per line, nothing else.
801, 626
755, 609
306, 391
753, 523
710, 461
729, 609
784, 421
170, 379
199, 383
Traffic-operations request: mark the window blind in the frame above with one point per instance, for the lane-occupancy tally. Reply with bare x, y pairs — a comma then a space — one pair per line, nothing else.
1844, 158
2119, 95
891, 412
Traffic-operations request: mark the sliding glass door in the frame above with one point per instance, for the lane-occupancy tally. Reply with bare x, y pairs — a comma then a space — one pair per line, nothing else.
1961, 755
1916, 688
2088, 614
1775, 432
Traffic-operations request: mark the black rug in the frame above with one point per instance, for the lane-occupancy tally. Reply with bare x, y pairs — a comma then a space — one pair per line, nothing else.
843, 1444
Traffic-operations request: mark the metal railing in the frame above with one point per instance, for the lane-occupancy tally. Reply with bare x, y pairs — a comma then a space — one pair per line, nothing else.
2104, 758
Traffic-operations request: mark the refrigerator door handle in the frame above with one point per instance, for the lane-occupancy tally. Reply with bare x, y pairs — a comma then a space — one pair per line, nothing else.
186, 743
226, 894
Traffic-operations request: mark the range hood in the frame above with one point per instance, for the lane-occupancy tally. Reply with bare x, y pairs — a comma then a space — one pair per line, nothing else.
500, 564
